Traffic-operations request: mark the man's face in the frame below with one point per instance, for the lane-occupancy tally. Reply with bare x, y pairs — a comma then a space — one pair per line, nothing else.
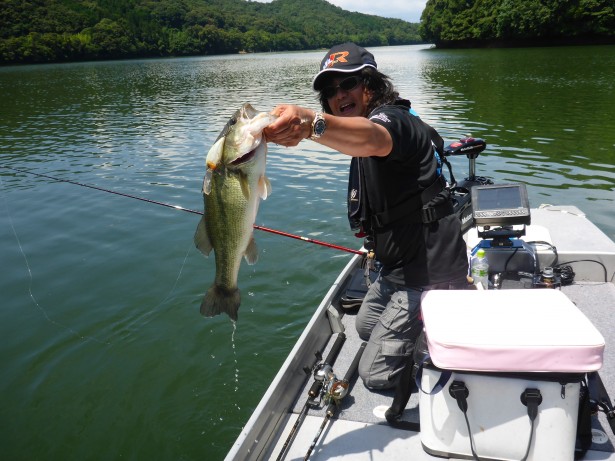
347, 96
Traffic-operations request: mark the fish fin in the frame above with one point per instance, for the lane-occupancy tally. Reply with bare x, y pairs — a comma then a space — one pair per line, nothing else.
245, 185
207, 181
219, 299
264, 187
201, 239
214, 156
251, 253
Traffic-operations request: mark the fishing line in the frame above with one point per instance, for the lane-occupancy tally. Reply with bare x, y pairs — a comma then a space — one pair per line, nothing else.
44, 311
187, 210
31, 279
144, 318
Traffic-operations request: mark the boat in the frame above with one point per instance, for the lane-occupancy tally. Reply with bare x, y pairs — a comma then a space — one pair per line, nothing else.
291, 423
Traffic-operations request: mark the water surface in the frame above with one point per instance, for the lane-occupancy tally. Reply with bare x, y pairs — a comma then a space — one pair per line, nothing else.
104, 353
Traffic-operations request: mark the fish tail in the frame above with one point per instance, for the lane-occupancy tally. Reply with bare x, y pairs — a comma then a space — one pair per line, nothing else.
219, 299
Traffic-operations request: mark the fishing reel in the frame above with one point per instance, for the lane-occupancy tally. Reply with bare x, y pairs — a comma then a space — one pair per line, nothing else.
320, 369
322, 372
335, 390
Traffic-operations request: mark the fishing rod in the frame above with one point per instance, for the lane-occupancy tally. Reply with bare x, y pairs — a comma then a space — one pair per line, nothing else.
187, 210
321, 370
337, 391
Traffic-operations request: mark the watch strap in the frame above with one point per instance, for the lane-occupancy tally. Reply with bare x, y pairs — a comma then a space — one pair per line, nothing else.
318, 126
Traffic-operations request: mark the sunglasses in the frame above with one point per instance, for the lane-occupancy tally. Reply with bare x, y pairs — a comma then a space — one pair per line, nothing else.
348, 84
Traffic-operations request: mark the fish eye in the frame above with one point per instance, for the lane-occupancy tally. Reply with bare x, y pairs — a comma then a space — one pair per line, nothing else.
232, 121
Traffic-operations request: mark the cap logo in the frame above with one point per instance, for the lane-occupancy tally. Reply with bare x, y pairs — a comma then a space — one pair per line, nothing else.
334, 58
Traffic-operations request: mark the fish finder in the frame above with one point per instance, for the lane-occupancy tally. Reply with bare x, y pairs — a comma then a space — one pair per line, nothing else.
503, 211
500, 205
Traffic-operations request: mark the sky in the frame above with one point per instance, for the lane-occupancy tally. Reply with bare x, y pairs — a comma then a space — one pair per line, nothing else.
408, 10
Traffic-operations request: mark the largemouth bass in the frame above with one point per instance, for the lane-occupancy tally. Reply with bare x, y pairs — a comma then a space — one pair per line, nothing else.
234, 183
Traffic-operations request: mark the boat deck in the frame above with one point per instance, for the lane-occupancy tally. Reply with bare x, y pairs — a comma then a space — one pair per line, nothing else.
360, 432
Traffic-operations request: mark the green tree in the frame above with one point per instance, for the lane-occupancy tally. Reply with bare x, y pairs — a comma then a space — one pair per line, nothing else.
474, 22
111, 38
523, 18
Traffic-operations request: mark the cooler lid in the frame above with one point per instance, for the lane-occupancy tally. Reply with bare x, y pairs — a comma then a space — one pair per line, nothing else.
537, 330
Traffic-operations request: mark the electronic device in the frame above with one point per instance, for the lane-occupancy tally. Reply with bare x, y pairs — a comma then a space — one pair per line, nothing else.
500, 205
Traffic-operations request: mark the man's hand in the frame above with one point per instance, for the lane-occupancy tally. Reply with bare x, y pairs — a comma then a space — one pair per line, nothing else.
293, 125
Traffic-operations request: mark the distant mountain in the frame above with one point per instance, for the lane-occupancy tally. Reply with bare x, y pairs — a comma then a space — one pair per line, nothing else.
70, 30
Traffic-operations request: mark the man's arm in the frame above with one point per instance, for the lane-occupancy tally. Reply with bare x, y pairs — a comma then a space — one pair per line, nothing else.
354, 136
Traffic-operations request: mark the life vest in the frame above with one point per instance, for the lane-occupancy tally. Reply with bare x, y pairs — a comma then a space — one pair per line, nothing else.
428, 206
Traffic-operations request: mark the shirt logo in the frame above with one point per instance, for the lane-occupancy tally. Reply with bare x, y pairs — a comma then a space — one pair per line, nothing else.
334, 58
381, 117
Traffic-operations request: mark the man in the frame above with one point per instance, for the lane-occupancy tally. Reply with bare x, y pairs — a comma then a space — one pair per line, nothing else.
404, 205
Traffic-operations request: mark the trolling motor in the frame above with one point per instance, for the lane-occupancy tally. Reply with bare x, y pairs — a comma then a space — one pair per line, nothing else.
460, 191
471, 148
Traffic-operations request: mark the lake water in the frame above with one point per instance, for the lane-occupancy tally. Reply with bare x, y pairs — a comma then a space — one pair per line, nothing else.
104, 353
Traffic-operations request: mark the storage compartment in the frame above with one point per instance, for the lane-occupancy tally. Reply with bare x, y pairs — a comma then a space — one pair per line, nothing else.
501, 346
498, 420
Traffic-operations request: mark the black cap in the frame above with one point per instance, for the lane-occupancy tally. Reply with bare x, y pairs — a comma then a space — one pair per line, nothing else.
347, 57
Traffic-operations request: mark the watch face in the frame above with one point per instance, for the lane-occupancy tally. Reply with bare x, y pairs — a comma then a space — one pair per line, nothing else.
319, 127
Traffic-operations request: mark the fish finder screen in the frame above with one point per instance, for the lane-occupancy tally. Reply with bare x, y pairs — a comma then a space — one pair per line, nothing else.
499, 198
500, 205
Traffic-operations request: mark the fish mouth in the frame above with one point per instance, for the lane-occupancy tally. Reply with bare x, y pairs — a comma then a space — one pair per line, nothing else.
244, 158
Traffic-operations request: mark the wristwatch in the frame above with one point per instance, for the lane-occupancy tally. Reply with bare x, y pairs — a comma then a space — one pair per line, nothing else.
318, 126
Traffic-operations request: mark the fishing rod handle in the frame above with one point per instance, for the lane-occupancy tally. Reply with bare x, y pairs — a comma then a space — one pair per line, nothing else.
314, 391
336, 348
331, 357
347, 377
332, 406
355, 363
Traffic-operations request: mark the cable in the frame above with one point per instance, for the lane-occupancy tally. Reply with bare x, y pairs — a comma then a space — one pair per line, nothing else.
569, 269
565, 273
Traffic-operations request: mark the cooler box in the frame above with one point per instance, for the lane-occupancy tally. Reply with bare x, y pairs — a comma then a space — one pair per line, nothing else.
503, 346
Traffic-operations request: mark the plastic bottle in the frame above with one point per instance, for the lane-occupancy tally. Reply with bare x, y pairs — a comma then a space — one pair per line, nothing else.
480, 270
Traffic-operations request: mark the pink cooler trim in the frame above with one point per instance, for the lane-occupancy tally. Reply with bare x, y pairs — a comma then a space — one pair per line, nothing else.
537, 330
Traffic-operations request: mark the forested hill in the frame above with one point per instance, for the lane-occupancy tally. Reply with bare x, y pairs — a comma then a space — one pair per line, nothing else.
69, 30
455, 23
